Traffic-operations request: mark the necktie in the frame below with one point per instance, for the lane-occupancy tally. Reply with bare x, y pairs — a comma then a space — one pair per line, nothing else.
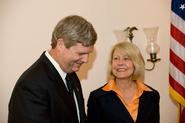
69, 85
70, 90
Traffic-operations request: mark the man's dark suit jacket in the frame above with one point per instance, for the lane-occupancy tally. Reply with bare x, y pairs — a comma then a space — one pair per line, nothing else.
106, 107
40, 96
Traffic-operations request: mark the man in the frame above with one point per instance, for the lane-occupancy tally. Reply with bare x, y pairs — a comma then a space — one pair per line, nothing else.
41, 94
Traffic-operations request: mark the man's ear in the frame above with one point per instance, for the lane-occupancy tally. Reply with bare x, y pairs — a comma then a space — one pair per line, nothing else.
60, 42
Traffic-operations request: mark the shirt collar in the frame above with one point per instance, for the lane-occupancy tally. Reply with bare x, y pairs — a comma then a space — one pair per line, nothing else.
111, 85
56, 65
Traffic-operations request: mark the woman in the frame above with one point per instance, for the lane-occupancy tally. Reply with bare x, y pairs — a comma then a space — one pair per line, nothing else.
124, 98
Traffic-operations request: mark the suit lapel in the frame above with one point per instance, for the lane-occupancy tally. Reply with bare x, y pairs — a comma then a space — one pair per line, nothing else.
123, 111
59, 84
114, 104
144, 104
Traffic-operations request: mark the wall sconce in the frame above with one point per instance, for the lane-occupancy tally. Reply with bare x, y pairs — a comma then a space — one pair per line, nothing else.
152, 47
124, 35
129, 33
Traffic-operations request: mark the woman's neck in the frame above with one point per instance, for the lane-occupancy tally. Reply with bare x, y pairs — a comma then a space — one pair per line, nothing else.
125, 83
127, 88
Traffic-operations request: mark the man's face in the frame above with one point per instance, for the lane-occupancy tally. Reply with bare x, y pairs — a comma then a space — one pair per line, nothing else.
71, 59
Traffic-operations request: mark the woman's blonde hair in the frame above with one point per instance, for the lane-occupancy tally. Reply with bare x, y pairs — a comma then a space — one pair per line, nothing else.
136, 57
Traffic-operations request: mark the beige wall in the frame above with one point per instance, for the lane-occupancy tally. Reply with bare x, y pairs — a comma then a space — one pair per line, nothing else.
25, 32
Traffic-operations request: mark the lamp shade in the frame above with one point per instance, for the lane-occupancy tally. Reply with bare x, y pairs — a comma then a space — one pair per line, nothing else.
151, 36
121, 35
152, 47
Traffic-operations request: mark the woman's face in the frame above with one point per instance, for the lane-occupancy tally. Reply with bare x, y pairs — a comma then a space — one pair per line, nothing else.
122, 66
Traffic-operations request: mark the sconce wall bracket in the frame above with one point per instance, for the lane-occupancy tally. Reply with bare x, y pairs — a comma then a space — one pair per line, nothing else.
153, 59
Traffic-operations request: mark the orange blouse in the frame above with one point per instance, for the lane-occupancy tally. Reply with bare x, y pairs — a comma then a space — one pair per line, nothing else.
133, 106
